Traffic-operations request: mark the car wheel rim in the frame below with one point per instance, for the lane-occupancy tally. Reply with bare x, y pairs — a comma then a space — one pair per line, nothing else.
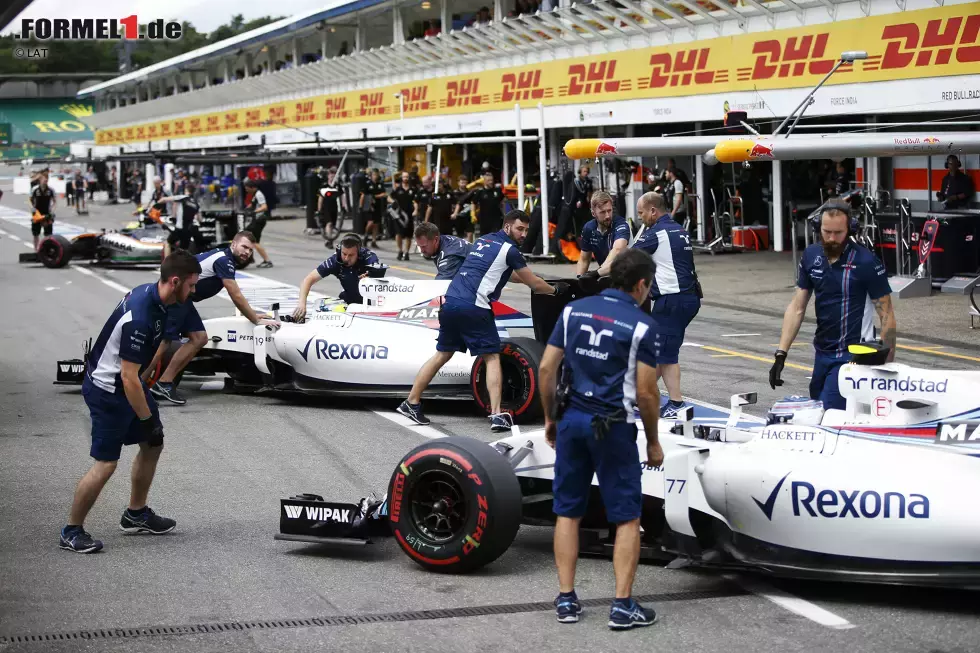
438, 507
514, 387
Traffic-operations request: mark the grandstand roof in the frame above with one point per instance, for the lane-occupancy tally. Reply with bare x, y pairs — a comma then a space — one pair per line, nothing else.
280, 28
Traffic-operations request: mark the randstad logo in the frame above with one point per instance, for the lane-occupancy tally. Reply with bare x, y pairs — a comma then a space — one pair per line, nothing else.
899, 385
342, 351
838, 504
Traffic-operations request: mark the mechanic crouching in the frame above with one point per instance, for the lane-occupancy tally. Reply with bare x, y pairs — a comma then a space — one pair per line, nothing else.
349, 264
608, 344
217, 274
845, 278
122, 411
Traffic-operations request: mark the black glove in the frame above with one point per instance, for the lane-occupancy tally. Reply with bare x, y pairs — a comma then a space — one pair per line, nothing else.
591, 275
777, 369
941, 196
153, 430
561, 288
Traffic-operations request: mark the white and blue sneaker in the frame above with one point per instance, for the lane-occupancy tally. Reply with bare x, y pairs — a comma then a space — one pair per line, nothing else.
501, 422
627, 613
413, 412
671, 409
567, 608
74, 538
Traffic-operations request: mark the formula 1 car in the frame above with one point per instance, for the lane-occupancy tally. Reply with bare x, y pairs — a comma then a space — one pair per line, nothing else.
140, 243
374, 349
879, 492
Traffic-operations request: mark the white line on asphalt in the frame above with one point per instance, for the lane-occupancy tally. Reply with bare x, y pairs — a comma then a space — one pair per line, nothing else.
401, 420
111, 284
14, 238
3, 233
792, 603
691, 344
739, 335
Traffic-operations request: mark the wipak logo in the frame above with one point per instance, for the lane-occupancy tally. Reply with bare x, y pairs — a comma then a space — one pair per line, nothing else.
74, 368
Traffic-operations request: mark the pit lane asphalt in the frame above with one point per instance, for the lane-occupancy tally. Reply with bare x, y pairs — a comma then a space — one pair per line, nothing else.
229, 459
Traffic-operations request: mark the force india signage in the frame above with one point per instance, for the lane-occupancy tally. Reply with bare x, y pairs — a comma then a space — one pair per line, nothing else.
936, 42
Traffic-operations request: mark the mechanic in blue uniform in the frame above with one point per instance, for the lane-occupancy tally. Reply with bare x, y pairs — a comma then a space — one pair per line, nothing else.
675, 297
448, 252
217, 274
466, 320
850, 285
122, 410
349, 264
608, 346
603, 237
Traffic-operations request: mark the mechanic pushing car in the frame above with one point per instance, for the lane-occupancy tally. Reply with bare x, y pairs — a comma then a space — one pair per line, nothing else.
448, 252
675, 295
608, 344
350, 263
217, 274
122, 410
331, 201
466, 320
42, 201
604, 236
845, 278
258, 206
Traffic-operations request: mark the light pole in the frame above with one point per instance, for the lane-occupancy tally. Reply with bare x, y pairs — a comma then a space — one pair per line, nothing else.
401, 113
845, 57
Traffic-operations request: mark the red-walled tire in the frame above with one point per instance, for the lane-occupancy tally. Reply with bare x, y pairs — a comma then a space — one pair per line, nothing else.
454, 505
54, 251
519, 362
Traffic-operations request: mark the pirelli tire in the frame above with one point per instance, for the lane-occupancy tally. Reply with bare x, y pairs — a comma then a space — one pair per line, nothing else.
520, 359
55, 251
454, 505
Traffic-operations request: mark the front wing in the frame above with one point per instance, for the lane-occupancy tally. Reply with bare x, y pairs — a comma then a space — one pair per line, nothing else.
308, 518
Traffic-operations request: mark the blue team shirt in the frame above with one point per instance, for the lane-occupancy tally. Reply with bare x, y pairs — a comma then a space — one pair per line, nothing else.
670, 246
452, 252
603, 337
485, 270
216, 266
367, 261
600, 244
132, 334
843, 293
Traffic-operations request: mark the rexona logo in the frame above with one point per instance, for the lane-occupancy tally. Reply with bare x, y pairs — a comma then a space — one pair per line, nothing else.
956, 432
839, 504
899, 385
342, 351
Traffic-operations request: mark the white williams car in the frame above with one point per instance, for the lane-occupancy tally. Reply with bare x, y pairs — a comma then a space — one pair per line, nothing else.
880, 492
373, 349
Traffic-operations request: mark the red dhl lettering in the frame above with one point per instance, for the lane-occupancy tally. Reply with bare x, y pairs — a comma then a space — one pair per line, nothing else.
140, 132
179, 127
521, 86
396, 497
473, 540
372, 104
277, 115
463, 93
212, 123
415, 98
152, 130
681, 69
906, 43
597, 77
305, 111
801, 55
165, 129
231, 118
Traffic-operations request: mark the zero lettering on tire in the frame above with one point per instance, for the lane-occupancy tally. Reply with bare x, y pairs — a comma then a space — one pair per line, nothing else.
519, 362
454, 505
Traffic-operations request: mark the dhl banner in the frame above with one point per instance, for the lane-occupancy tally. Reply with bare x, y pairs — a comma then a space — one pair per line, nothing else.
935, 42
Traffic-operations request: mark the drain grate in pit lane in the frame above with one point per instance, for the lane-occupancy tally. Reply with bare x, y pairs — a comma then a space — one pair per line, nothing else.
346, 620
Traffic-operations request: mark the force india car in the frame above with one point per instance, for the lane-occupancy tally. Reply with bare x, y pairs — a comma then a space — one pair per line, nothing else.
882, 491
139, 243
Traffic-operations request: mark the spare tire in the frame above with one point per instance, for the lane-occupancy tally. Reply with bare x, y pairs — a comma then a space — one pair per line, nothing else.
54, 251
521, 394
454, 504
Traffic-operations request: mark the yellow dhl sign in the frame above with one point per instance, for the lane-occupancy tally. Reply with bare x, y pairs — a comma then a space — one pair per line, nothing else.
941, 41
